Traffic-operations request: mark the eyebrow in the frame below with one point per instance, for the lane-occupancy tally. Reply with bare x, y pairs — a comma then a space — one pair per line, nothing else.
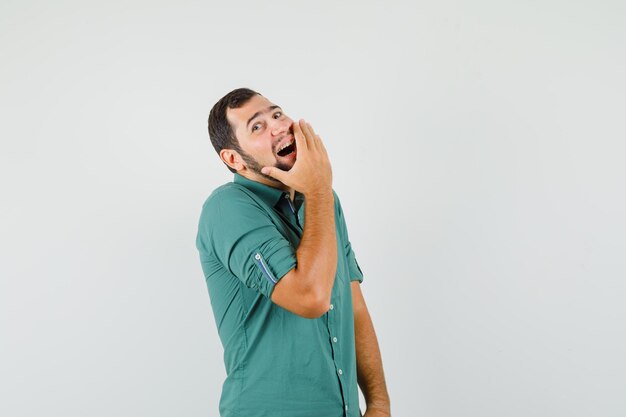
257, 114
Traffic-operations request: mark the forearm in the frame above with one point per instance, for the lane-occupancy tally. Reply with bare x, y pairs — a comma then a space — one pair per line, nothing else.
370, 373
317, 252
305, 290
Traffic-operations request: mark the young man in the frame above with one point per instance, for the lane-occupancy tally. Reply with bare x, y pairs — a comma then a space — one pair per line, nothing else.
283, 280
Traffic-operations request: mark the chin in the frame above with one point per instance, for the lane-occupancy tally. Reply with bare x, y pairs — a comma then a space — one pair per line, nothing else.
284, 167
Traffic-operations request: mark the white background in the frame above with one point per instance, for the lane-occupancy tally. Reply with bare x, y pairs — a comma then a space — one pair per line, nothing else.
477, 147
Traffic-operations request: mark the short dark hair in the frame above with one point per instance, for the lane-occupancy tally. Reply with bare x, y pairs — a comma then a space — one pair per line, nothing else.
220, 130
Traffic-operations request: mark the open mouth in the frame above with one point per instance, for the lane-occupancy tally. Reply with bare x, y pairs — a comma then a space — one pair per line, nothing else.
287, 149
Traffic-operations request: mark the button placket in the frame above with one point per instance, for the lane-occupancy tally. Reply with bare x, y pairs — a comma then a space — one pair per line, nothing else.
293, 210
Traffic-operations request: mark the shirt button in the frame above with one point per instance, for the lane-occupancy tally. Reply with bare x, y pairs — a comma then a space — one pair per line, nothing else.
335, 339
340, 372
346, 408
332, 306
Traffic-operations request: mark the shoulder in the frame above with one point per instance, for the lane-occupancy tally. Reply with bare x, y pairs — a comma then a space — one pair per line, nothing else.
229, 194
230, 201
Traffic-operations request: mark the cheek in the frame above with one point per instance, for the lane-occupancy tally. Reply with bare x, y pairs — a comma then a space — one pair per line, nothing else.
261, 150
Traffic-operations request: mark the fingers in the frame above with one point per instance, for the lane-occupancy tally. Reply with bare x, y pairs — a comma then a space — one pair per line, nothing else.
274, 172
300, 137
321, 145
306, 136
310, 134
318, 141
313, 140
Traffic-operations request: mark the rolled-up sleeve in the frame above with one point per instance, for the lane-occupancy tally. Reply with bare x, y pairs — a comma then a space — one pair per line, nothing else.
243, 238
353, 266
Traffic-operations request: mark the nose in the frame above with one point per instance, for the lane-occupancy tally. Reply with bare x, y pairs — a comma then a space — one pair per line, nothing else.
280, 127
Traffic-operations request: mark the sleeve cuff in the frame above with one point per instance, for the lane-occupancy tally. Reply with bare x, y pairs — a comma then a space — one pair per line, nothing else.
270, 265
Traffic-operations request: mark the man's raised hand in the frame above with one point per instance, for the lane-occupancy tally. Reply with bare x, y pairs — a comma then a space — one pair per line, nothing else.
311, 173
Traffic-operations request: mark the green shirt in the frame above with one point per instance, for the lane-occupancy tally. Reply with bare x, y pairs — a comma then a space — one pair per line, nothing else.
278, 364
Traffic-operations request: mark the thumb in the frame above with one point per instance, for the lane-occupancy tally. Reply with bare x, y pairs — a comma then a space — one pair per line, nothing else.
274, 172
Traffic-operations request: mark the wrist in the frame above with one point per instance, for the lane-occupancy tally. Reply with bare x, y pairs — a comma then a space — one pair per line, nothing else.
377, 412
382, 406
325, 194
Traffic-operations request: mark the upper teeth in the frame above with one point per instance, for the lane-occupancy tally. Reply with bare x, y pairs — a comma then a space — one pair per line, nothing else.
285, 145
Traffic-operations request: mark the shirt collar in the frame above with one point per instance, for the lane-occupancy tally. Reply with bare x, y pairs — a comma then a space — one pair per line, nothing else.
269, 195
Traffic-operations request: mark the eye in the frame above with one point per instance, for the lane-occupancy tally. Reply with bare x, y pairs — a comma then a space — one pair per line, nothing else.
255, 126
279, 113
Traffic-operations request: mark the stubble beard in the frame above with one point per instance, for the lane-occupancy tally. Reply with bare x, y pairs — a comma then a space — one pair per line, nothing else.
253, 165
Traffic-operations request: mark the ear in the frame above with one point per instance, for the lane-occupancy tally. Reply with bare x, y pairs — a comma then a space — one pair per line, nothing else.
232, 158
